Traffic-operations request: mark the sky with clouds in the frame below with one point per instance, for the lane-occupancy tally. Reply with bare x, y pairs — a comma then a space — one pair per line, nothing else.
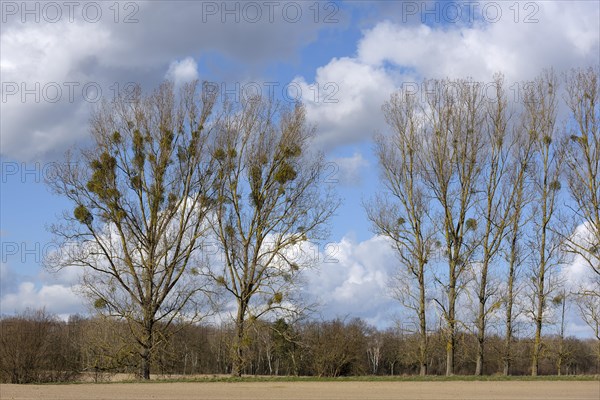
341, 59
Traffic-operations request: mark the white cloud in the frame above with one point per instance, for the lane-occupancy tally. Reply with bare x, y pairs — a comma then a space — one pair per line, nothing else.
183, 71
67, 276
349, 169
56, 299
566, 35
55, 292
578, 274
352, 280
348, 108
43, 80
109, 54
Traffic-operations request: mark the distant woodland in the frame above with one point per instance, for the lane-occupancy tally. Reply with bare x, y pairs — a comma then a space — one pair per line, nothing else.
36, 347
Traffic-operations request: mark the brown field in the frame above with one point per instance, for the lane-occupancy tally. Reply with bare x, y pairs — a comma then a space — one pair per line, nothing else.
543, 390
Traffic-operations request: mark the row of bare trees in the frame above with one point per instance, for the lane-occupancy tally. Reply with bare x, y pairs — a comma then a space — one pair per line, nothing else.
185, 207
44, 349
475, 208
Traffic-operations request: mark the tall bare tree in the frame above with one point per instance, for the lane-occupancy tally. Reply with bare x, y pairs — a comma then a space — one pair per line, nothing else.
515, 245
400, 213
494, 208
271, 201
583, 176
583, 162
540, 115
452, 158
140, 195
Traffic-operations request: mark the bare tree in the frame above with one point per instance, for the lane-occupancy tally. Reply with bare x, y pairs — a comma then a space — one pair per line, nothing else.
271, 201
540, 116
403, 218
374, 345
583, 176
583, 163
337, 348
453, 153
494, 209
515, 252
106, 346
140, 196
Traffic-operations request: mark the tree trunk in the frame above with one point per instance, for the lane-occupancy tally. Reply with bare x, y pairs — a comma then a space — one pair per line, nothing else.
508, 335
541, 297
561, 353
269, 363
145, 365
512, 265
450, 355
294, 364
550, 172
481, 322
238, 356
450, 341
480, 347
537, 344
423, 326
146, 352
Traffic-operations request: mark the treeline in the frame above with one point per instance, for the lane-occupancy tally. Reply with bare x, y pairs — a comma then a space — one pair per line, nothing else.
38, 347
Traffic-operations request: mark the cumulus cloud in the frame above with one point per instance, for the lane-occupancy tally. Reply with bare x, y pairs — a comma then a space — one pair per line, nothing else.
46, 88
578, 274
183, 71
66, 55
564, 36
57, 292
56, 299
348, 108
352, 280
391, 54
349, 169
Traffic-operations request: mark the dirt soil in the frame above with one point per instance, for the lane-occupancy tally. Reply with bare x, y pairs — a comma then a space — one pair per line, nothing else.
548, 390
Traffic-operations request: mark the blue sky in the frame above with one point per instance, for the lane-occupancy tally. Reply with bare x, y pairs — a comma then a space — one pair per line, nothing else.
345, 57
